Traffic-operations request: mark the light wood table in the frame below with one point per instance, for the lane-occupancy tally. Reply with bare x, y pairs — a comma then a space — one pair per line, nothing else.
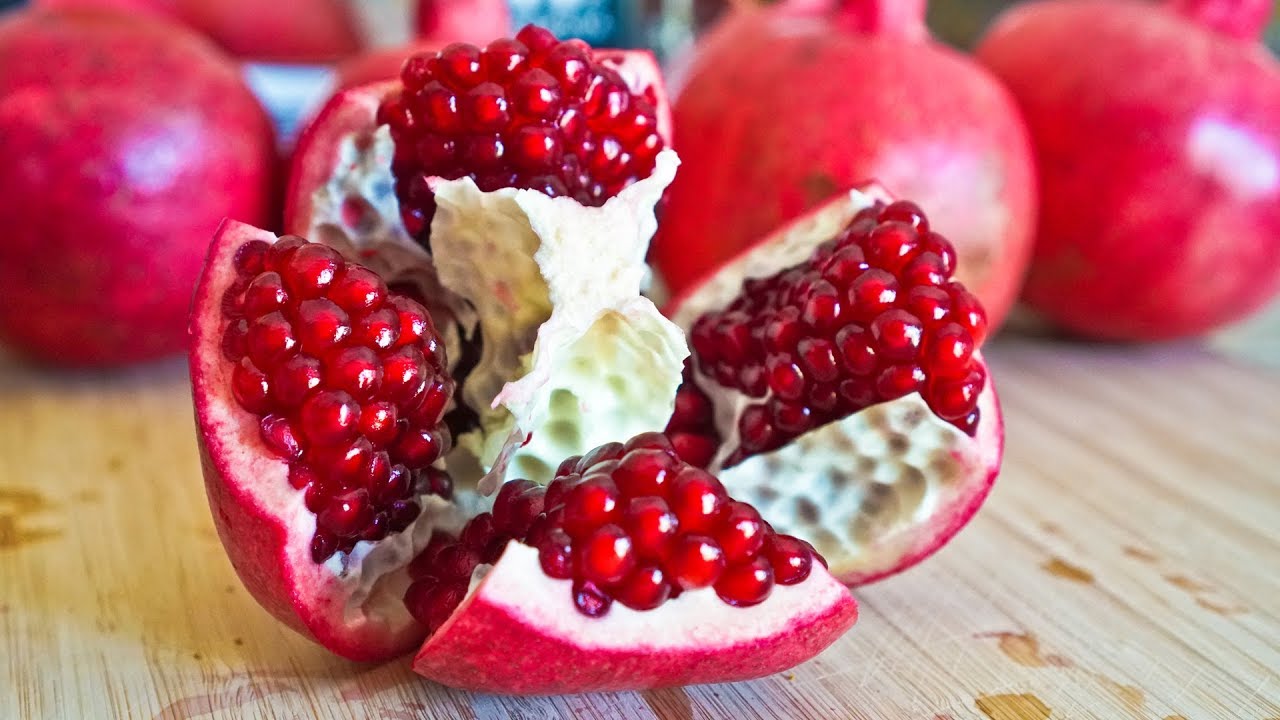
1127, 566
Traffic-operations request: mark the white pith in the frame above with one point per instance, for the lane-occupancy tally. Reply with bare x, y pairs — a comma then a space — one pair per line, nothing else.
356, 589
866, 489
697, 619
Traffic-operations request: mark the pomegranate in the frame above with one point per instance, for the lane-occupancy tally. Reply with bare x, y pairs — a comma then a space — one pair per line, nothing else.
1159, 160
129, 139
280, 31
321, 396
837, 385
765, 133
445, 21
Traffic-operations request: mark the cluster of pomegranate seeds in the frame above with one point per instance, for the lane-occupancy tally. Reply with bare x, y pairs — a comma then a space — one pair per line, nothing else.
871, 316
531, 112
631, 523
349, 384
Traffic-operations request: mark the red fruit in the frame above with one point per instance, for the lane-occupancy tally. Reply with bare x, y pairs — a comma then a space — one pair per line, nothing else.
461, 21
119, 169
1159, 156
765, 135
282, 31
838, 390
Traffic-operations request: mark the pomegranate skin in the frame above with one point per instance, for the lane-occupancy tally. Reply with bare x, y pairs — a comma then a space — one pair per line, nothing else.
279, 31
1159, 154
785, 106
128, 141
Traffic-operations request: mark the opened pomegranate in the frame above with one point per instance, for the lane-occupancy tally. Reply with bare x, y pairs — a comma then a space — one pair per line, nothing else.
319, 395
765, 135
127, 141
836, 384
1159, 158
280, 31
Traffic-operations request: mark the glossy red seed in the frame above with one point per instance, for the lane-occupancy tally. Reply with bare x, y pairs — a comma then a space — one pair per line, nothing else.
330, 417
741, 533
643, 472
310, 270
790, 559
594, 502
355, 370
746, 584
417, 447
270, 340
250, 387
605, 556
652, 526
321, 325
556, 556
264, 294
293, 379
358, 290
698, 500
695, 561
379, 329
346, 514
897, 334
590, 599
644, 589
280, 437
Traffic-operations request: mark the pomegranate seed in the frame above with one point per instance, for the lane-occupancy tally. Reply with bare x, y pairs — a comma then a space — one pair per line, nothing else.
293, 379
264, 294
644, 471
556, 556
651, 525
514, 115
270, 340
741, 534
589, 599
358, 290
379, 329
346, 514
897, 334
606, 555
321, 325
418, 447
790, 558
279, 435
590, 504
250, 388
746, 584
310, 270
355, 370
695, 562
251, 257
698, 500
330, 417
644, 589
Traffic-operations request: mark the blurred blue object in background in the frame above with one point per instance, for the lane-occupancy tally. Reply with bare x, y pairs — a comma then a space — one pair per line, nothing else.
6, 4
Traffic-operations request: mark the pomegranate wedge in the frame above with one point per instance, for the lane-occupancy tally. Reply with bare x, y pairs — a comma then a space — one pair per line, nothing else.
836, 384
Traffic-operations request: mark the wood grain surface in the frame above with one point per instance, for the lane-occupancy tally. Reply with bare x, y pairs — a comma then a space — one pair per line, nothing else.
1126, 566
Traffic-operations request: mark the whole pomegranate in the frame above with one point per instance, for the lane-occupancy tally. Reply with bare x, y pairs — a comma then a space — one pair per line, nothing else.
280, 30
785, 105
127, 140
1159, 153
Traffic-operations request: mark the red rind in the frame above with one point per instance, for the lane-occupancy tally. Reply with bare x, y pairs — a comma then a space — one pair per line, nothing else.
252, 502
497, 640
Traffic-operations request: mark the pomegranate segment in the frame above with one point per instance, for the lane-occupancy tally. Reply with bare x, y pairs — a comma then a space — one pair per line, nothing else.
836, 385
530, 112
639, 548
357, 415
629, 523
871, 316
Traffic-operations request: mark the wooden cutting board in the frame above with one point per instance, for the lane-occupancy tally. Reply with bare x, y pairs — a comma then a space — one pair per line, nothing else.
1127, 566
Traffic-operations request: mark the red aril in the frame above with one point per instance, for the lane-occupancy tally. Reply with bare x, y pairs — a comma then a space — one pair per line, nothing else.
785, 105
1159, 154
127, 140
836, 385
279, 31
